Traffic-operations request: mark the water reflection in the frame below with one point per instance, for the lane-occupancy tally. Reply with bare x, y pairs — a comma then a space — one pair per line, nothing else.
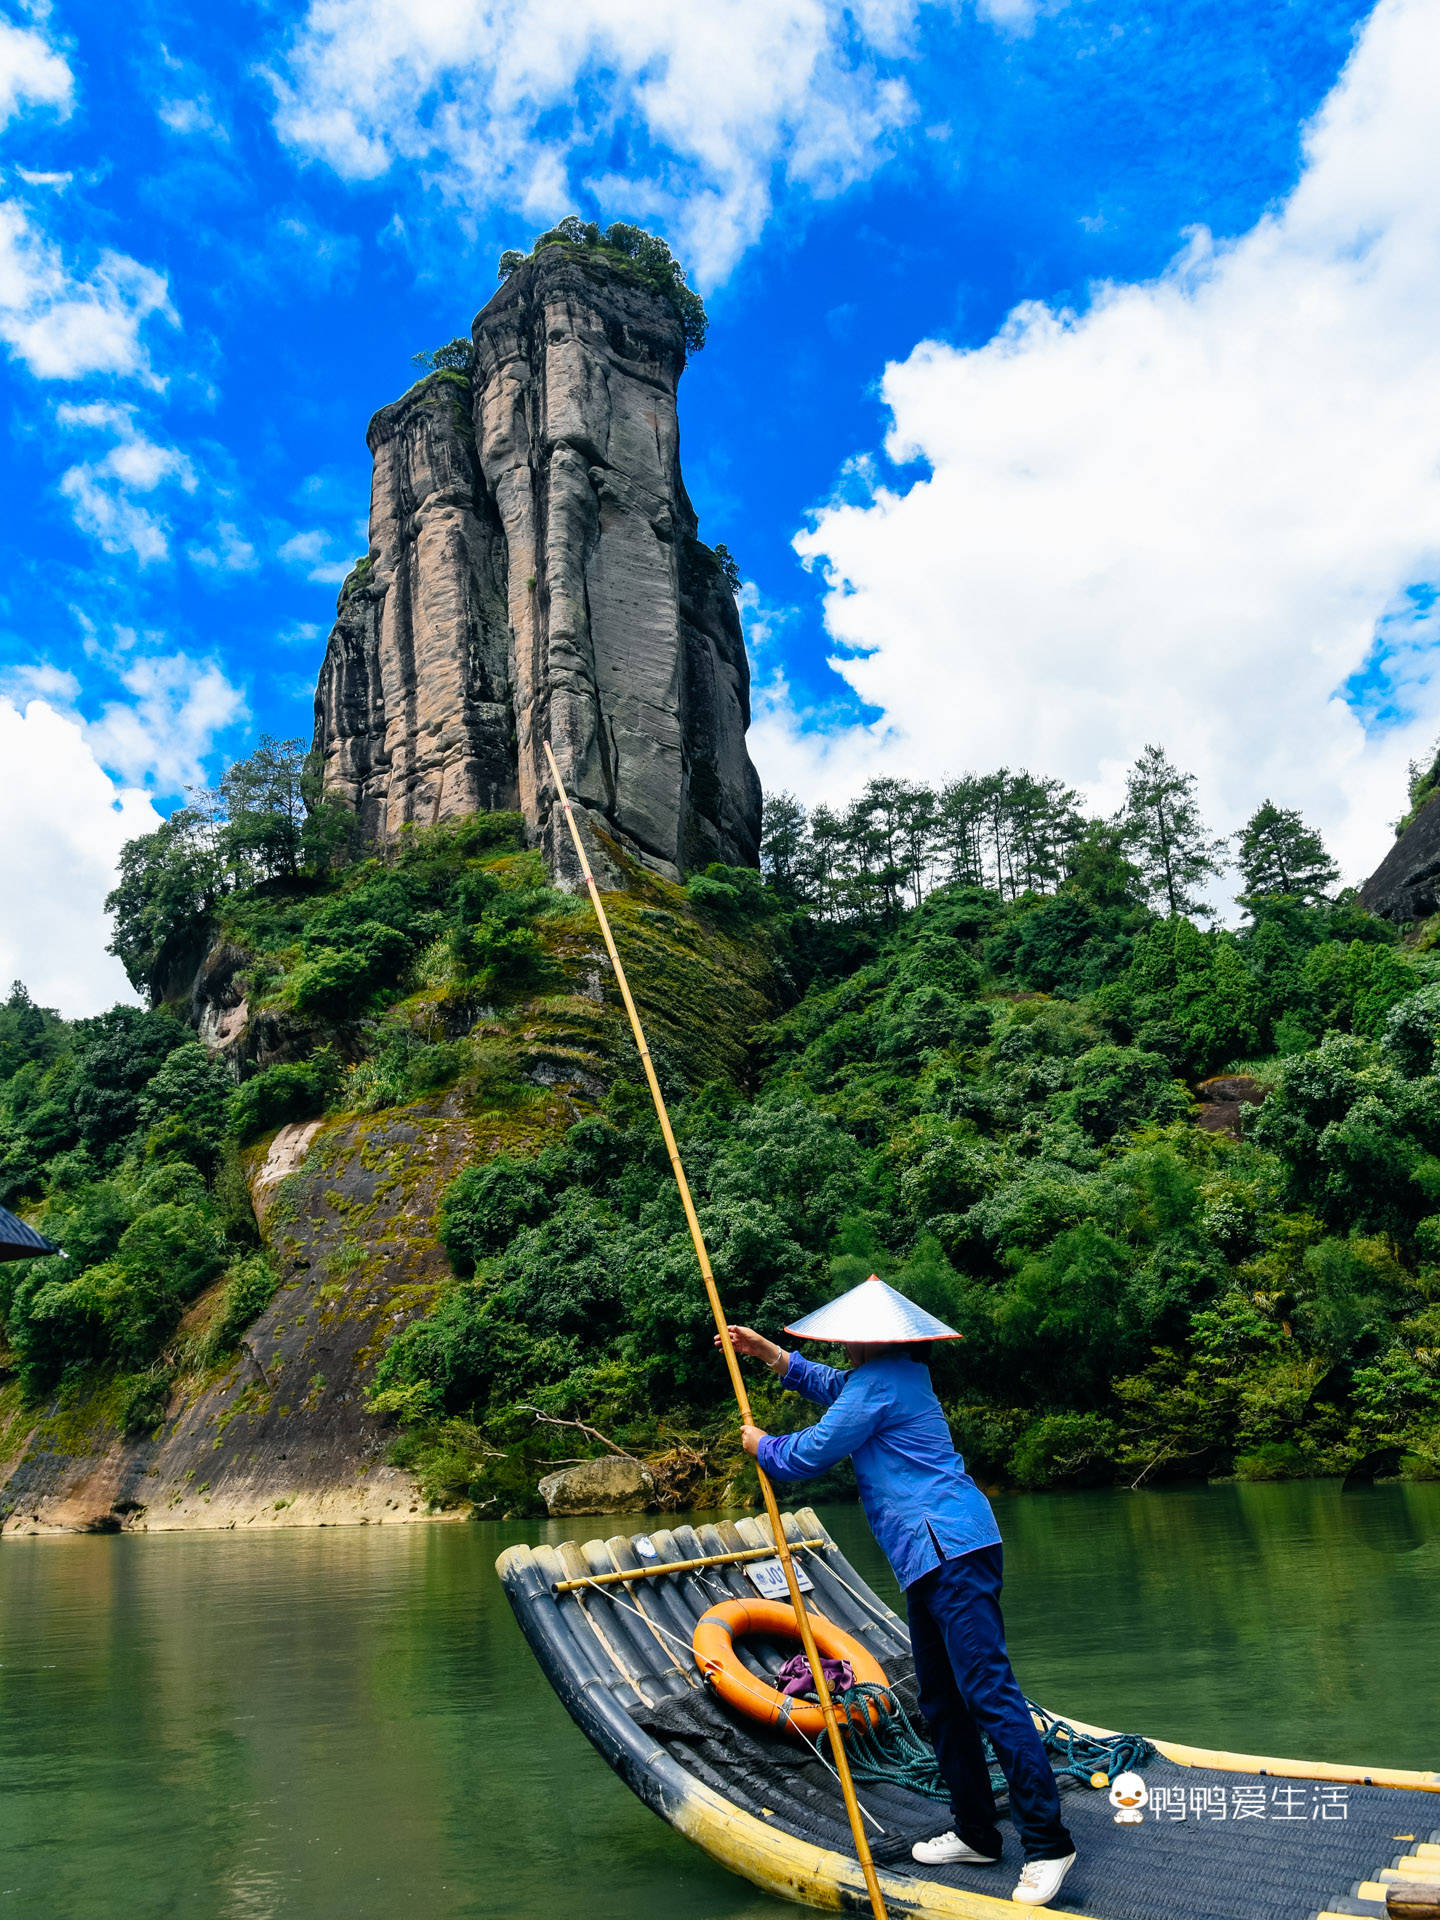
345, 1723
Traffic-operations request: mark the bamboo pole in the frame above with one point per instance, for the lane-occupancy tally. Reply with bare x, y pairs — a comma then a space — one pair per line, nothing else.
737, 1383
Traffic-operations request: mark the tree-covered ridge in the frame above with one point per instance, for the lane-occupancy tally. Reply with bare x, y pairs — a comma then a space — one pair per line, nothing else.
122, 1136
634, 251
976, 1074
1137, 1294
1021, 835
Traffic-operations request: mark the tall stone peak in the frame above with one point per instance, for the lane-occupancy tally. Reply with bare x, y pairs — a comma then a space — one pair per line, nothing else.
535, 572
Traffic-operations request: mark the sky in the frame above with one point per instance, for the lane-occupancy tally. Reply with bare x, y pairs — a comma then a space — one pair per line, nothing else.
1073, 379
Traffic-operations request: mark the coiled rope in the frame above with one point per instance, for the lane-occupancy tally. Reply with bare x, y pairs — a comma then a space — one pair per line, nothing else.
890, 1748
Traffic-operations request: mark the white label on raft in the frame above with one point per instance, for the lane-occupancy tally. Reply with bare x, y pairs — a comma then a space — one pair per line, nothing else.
644, 1546
769, 1578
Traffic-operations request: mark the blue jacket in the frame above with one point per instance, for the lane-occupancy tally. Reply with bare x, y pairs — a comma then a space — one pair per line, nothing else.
921, 1504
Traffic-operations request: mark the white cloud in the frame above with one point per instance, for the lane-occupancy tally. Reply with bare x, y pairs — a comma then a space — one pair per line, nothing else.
62, 824
189, 117
229, 551
721, 101
102, 492
1189, 514
41, 681
63, 324
31, 71
309, 550
162, 735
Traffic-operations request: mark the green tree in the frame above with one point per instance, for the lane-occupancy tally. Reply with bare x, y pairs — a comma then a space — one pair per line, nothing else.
169, 883
263, 802
456, 356
1162, 825
729, 566
783, 838
27, 1032
1278, 854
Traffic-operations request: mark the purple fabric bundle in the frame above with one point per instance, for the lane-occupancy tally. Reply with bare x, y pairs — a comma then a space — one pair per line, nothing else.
795, 1676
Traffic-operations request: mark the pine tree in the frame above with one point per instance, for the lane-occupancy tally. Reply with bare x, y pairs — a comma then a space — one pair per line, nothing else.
1279, 854
1162, 827
783, 839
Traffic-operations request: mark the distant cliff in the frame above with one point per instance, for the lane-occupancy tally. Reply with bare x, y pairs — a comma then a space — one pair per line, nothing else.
535, 572
1406, 884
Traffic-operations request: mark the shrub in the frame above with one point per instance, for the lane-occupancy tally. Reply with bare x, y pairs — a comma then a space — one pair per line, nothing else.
1119, 1088
290, 1090
249, 1288
143, 1400
1273, 1460
486, 1206
1064, 1448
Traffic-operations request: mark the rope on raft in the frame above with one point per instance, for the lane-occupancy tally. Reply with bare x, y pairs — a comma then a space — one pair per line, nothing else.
890, 1748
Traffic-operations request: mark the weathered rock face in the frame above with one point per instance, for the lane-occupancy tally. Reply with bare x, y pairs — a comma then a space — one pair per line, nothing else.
535, 573
413, 710
1223, 1101
1406, 884
280, 1435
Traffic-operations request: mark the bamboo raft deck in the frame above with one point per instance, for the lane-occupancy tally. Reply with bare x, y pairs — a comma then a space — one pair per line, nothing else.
1332, 1840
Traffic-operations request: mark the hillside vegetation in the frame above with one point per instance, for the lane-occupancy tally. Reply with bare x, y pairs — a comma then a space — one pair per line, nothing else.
953, 1038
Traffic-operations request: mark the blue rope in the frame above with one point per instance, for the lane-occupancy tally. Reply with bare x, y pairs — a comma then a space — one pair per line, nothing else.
888, 1747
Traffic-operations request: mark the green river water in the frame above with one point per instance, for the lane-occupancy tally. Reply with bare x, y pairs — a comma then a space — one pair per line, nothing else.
343, 1723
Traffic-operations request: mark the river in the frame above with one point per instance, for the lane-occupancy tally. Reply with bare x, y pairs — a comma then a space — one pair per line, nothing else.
344, 1723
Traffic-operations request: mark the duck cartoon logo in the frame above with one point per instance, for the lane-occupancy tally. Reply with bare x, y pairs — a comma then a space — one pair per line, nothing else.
1128, 1796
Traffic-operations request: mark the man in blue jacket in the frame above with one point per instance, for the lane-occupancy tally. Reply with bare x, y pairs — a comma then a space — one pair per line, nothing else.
938, 1532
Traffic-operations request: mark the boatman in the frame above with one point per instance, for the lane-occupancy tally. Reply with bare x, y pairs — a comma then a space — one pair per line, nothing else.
939, 1534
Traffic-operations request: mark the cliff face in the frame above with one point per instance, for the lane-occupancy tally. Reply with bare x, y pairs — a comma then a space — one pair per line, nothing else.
413, 709
278, 1436
279, 1433
535, 572
1406, 884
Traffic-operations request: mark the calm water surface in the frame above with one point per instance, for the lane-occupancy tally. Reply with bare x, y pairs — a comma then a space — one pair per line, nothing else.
346, 1723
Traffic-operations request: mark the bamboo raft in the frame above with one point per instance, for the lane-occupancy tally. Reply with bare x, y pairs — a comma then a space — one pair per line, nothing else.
611, 1623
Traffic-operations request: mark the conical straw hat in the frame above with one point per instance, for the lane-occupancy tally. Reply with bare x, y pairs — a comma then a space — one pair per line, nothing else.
872, 1312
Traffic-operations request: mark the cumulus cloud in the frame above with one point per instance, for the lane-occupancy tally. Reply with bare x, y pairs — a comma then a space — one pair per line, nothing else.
162, 734
310, 550
190, 117
31, 72
102, 492
227, 551
63, 821
64, 323
76, 789
1203, 511
660, 107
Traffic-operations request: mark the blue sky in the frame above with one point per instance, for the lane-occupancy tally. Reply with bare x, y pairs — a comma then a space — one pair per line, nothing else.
1066, 339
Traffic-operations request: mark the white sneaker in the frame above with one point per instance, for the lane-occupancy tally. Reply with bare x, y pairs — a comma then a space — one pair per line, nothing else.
948, 1848
1040, 1882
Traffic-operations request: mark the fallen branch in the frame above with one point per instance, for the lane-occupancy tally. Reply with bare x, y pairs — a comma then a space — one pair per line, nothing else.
553, 1420
1169, 1447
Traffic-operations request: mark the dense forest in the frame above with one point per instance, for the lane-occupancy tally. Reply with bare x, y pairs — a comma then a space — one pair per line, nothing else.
988, 1021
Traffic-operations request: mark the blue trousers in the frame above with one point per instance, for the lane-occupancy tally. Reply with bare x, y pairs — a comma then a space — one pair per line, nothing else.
966, 1688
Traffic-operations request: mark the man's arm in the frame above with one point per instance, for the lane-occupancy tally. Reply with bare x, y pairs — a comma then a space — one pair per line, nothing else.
805, 1377
812, 1381
848, 1425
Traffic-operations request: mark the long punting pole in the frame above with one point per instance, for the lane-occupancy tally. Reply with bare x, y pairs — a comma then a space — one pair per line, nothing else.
742, 1398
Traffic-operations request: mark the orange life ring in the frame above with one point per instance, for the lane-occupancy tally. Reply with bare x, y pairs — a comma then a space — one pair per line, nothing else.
713, 1645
